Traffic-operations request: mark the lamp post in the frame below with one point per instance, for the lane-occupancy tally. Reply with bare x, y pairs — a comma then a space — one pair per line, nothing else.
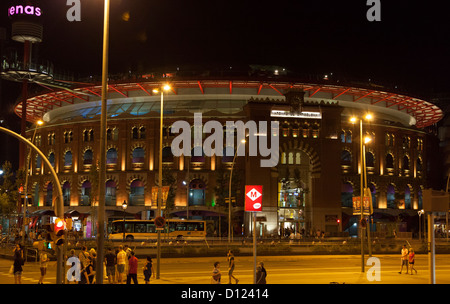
124, 207
25, 186
102, 169
158, 213
59, 204
354, 120
229, 191
420, 212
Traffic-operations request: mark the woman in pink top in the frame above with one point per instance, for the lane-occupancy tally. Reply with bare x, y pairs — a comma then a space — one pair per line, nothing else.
411, 258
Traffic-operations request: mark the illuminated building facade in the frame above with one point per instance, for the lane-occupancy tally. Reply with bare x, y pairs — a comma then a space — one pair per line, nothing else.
311, 187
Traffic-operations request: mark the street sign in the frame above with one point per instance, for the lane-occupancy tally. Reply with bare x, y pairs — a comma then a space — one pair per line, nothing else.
253, 198
357, 205
159, 222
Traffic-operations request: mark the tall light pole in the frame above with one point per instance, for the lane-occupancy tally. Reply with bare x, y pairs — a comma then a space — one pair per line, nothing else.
59, 204
124, 207
159, 213
229, 191
25, 186
361, 146
102, 169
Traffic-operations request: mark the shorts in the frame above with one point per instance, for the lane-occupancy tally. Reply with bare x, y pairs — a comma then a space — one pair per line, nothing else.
120, 268
110, 271
43, 271
18, 273
405, 262
411, 263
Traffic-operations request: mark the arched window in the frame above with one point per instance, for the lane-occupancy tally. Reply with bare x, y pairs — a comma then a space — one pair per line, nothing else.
49, 195
135, 133
291, 158
346, 158
407, 197
38, 162
370, 160
390, 196
389, 161
201, 155
68, 159
297, 158
405, 162
36, 195
419, 164
142, 133
197, 193
138, 155
51, 159
66, 193
373, 191
347, 195
137, 193
85, 193
228, 154
283, 158
167, 156
110, 195
111, 156
88, 157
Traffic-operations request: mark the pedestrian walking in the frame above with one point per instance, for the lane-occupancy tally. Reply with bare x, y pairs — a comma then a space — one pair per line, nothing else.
230, 258
110, 263
88, 273
18, 263
121, 262
43, 263
404, 259
132, 269
216, 274
261, 274
411, 260
83, 257
148, 270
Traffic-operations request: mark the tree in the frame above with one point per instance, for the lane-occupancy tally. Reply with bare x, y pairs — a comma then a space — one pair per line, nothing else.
8, 191
168, 179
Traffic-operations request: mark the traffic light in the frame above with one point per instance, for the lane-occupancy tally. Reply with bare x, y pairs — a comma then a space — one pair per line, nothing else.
60, 238
60, 232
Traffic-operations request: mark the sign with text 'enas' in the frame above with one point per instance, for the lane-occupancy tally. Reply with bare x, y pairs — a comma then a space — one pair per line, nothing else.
253, 198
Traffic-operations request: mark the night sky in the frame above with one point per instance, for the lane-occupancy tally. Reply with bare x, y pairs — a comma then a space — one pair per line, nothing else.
409, 47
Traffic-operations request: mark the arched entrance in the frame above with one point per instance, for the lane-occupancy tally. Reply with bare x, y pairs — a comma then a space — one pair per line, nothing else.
294, 183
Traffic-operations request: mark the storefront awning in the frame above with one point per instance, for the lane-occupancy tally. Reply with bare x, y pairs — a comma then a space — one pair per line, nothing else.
43, 212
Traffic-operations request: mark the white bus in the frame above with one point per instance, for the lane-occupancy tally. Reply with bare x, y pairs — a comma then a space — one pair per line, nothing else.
145, 230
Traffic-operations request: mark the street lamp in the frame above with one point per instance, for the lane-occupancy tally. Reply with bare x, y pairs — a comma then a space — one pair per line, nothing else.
25, 186
362, 173
165, 87
102, 170
420, 212
124, 207
229, 191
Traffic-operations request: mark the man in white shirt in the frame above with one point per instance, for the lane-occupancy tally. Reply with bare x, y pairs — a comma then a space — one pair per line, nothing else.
404, 259
121, 262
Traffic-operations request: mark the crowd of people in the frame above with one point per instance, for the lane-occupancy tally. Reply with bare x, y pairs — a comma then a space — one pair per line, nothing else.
121, 266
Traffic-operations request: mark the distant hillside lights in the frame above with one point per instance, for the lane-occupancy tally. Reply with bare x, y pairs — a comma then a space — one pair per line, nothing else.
24, 10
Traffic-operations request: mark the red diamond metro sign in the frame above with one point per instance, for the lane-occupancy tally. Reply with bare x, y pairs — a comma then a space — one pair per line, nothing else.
253, 198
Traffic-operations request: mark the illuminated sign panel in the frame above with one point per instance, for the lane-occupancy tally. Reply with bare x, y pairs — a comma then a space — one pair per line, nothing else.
24, 10
309, 115
253, 198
